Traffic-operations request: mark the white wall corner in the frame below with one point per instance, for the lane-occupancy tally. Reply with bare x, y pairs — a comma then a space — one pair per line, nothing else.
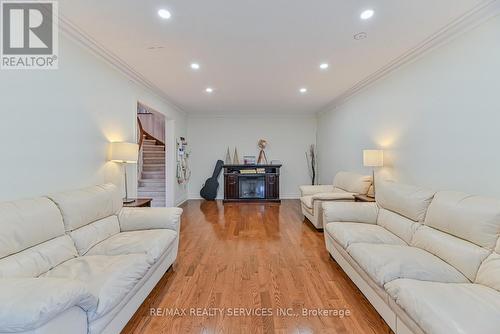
473, 18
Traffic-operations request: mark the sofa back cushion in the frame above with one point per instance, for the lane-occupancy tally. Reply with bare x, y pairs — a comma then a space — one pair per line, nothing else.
489, 271
90, 235
27, 223
85, 206
32, 239
465, 256
401, 226
352, 182
39, 259
472, 218
408, 201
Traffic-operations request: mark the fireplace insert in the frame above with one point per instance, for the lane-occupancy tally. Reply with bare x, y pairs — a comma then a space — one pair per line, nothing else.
252, 187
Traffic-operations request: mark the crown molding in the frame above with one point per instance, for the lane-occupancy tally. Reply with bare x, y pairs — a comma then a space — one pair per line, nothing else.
468, 21
77, 34
256, 115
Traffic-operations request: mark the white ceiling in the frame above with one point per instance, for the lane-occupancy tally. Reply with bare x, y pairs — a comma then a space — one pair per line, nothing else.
258, 53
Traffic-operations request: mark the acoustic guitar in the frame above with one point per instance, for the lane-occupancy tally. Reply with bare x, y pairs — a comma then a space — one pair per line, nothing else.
209, 190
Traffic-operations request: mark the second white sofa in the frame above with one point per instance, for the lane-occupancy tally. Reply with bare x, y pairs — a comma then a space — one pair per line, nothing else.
428, 263
345, 186
77, 262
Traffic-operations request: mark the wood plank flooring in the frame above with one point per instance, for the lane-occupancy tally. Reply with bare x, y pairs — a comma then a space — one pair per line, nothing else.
256, 259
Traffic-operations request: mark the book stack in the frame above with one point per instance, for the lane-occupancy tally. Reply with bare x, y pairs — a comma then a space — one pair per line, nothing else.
248, 171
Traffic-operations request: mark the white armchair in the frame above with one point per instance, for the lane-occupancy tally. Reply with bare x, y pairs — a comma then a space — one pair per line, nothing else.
344, 187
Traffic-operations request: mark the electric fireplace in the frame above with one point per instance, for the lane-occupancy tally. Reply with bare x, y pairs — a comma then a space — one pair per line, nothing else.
251, 183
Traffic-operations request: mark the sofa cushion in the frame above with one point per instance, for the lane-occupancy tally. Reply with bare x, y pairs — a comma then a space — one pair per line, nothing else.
27, 223
401, 226
28, 303
385, 263
108, 278
84, 206
352, 182
472, 218
347, 234
90, 235
489, 272
39, 259
351, 212
154, 243
406, 200
311, 190
463, 255
441, 308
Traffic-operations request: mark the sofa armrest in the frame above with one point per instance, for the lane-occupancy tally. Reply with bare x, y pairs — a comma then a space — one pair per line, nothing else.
311, 190
353, 212
28, 303
136, 219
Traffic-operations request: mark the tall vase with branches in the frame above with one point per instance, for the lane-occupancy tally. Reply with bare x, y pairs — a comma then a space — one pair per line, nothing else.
312, 163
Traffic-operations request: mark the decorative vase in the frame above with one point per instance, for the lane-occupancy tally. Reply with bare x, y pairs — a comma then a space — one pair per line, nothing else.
228, 157
236, 159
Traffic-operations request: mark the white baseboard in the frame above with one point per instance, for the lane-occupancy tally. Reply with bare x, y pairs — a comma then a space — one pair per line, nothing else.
182, 201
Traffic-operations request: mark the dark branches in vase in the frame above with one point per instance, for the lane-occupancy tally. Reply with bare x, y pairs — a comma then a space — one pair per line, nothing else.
311, 163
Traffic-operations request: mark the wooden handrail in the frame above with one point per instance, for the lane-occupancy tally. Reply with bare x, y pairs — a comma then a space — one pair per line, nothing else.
143, 133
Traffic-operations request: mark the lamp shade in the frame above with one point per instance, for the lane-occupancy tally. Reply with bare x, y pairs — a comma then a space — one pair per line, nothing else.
373, 158
124, 152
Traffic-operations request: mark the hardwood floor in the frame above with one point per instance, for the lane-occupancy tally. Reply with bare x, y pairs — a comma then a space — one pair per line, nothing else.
257, 258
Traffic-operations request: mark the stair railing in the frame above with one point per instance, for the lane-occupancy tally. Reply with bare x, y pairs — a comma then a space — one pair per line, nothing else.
143, 134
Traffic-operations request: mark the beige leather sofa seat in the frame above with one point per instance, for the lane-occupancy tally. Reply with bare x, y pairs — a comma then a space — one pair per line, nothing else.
445, 308
108, 278
345, 186
153, 243
347, 234
385, 263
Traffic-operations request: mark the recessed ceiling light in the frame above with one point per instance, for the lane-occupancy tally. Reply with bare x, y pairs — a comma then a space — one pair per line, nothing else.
367, 14
164, 14
195, 66
303, 90
209, 90
324, 66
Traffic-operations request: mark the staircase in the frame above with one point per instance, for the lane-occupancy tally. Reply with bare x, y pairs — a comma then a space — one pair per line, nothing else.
152, 174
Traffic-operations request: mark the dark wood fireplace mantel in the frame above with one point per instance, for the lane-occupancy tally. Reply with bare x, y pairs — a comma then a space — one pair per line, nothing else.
262, 186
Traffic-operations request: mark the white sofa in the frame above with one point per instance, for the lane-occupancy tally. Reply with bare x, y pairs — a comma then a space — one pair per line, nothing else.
345, 186
428, 262
77, 262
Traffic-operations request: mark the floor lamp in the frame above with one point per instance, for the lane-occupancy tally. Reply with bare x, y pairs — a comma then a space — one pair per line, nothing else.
124, 153
373, 158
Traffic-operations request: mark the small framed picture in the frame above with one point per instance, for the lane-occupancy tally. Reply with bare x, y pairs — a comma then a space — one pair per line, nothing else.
249, 159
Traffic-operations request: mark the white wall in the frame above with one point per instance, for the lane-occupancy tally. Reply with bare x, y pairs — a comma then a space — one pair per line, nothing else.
438, 119
288, 140
55, 126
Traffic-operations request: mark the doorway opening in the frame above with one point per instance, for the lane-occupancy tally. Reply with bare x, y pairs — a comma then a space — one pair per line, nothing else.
152, 172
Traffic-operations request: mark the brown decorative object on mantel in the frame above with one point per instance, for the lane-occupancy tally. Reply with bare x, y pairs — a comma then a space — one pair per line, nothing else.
262, 155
